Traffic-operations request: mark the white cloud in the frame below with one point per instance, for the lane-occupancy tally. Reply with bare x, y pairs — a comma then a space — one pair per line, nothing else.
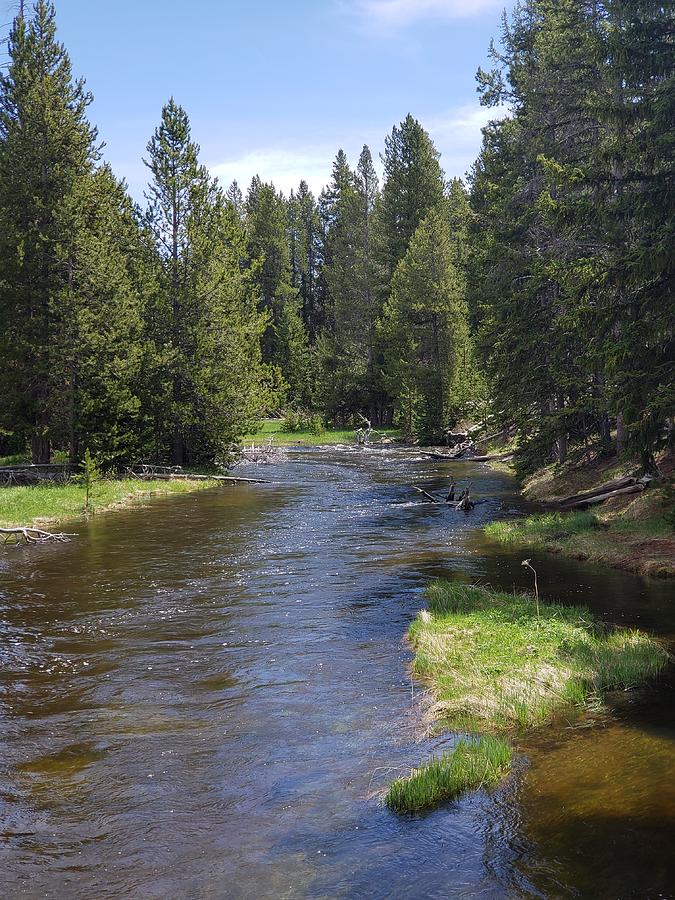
285, 167
392, 14
458, 135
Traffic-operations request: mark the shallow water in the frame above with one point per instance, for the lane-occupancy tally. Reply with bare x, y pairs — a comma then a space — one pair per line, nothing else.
204, 697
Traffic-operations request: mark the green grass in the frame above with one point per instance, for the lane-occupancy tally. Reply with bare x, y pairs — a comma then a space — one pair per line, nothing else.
642, 542
543, 529
273, 428
472, 764
50, 503
492, 662
16, 459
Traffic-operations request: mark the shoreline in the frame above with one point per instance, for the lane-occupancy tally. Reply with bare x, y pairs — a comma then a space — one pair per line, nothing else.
633, 533
49, 504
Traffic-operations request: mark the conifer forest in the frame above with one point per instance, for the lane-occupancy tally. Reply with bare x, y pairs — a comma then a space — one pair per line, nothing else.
538, 293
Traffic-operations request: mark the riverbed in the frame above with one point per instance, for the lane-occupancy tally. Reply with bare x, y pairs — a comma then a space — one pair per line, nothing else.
204, 697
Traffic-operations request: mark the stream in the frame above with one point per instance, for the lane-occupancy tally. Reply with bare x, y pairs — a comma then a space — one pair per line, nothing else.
204, 696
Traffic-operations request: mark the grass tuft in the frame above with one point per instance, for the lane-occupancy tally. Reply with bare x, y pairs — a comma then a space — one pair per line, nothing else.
472, 764
491, 660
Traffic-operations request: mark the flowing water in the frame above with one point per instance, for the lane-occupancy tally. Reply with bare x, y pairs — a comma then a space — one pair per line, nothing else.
204, 697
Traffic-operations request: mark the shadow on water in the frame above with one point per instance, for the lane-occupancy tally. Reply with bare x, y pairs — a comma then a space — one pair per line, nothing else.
204, 696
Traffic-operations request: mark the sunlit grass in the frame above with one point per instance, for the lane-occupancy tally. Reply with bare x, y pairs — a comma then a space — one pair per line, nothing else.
60, 502
472, 764
625, 539
540, 530
491, 660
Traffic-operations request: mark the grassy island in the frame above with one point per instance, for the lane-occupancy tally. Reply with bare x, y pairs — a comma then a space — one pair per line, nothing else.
494, 662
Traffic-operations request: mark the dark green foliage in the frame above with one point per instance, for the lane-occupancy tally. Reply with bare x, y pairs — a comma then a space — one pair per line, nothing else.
284, 342
47, 147
413, 185
349, 349
425, 332
571, 270
203, 325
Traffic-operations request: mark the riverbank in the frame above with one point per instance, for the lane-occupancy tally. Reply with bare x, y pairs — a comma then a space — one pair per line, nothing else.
52, 504
505, 663
633, 532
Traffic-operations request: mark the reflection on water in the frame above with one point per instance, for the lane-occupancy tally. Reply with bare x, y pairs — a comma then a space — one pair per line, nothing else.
203, 697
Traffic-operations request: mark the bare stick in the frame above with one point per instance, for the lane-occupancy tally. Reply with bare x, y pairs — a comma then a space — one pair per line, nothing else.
526, 563
34, 535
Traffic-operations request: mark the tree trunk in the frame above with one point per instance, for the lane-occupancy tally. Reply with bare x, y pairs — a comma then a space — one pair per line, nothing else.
620, 434
41, 451
178, 451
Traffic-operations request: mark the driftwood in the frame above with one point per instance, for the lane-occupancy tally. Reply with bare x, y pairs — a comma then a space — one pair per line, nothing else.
24, 474
263, 454
465, 502
457, 453
429, 497
605, 488
186, 476
491, 457
616, 488
600, 498
150, 472
31, 535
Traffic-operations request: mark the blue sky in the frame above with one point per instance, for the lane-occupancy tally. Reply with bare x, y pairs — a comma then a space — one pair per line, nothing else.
277, 86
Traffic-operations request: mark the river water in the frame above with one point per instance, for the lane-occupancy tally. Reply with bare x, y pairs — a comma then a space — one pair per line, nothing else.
204, 697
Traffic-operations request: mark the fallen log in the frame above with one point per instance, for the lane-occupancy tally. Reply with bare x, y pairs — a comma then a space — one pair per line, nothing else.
170, 476
490, 457
454, 454
31, 535
605, 488
636, 488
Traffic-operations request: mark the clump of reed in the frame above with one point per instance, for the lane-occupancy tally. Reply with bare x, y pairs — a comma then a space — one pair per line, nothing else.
472, 764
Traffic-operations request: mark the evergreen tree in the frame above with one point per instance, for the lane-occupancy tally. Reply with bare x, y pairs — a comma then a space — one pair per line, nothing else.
98, 349
413, 185
46, 147
573, 197
425, 329
350, 273
284, 342
305, 251
206, 327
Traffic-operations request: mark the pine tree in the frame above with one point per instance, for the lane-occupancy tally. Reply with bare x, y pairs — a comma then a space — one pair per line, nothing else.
413, 185
425, 328
305, 250
284, 342
348, 351
206, 328
97, 354
46, 146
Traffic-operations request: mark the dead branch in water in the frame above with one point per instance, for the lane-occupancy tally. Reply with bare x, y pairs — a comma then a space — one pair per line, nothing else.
171, 473
30, 535
429, 497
